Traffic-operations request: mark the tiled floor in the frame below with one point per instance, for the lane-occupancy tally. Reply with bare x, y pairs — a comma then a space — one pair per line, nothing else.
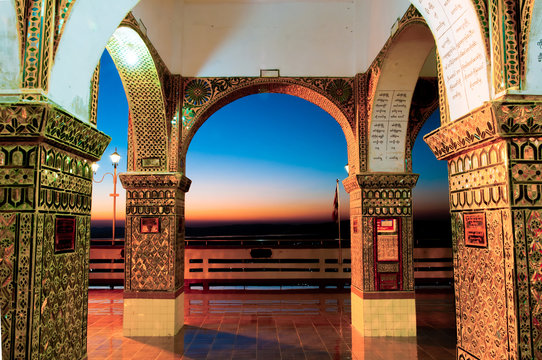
273, 326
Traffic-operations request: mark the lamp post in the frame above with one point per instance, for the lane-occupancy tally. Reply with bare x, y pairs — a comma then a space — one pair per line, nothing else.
115, 158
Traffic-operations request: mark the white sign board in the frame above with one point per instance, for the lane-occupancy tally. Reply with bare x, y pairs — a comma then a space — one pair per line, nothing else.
389, 129
460, 44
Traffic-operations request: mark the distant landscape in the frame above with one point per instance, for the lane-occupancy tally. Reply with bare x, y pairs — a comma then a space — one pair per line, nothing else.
428, 232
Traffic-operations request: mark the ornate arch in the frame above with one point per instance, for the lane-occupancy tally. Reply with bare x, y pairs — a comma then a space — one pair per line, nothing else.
459, 36
84, 30
148, 130
205, 96
392, 80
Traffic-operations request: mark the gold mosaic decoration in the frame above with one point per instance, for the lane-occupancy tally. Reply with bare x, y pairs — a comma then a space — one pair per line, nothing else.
494, 165
203, 96
38, 53
63, 9
526, 11
380, 195
143, 88
94, 88
40, 179
154, 261
442, 97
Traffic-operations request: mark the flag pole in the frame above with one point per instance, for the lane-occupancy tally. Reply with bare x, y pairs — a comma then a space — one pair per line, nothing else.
339, 222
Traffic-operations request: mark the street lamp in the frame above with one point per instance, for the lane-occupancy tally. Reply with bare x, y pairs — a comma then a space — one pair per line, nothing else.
115, 158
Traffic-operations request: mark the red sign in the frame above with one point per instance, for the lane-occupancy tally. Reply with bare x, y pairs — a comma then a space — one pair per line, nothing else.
386, 225
150, 225
475, 229
64, 234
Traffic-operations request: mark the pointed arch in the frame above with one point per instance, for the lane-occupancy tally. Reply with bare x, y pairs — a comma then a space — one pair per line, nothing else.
148, 145
280, 86
398, 75
460, 42
86, 32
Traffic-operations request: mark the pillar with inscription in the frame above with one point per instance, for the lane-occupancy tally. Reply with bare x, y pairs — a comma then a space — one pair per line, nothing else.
494, 157
382, 253
154, 253
45, 198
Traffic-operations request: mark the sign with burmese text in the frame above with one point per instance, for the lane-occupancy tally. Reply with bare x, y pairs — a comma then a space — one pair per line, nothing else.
461, 48
475, 229
388, 130
387, 240
64, 234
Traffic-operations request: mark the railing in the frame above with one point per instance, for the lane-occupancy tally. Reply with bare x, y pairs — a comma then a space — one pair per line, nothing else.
433, 266
291, 241
244, 263
224, 269
106, 264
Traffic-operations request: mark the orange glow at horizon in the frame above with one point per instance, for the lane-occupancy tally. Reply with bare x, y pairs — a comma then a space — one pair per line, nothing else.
264, 212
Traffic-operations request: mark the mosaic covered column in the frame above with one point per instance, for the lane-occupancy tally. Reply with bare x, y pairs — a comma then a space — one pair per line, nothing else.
154, 253
495, 174
45, 198
382, 253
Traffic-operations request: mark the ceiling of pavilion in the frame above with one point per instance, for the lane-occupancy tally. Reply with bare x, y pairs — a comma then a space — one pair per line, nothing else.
240, 37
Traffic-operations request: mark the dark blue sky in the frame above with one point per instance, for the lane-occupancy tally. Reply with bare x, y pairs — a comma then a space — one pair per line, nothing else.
265, 157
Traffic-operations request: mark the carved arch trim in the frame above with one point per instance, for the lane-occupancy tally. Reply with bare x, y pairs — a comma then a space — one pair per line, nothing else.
392, 79
148, 145
205, 96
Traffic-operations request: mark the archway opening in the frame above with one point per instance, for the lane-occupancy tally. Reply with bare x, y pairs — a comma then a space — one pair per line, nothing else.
264, 170
106, 263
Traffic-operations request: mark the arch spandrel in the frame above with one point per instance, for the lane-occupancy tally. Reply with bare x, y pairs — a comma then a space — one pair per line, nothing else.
149, 135
204, 96
460, 40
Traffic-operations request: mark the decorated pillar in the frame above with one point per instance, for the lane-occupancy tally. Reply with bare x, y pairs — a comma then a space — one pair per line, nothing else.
45, 198
495, 164
154, 253
382, 253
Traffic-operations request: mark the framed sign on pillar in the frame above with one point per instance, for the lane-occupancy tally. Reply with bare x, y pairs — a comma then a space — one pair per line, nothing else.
387, 254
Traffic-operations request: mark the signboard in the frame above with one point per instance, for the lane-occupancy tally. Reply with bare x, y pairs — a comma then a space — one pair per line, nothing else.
460, 43
388, 282
150, 225
386, 225
387, 248
387, 254
64, 234
475, 229
150, 162
388, 130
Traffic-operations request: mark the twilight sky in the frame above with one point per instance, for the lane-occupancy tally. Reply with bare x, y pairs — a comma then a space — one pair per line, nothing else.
262, 158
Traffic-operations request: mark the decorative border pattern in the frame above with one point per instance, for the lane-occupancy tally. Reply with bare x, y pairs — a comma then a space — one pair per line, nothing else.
94, 88
146, 101
21, 121
200, 94
461, 134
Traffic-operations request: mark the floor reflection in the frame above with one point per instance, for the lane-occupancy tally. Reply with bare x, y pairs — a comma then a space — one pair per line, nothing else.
270, 326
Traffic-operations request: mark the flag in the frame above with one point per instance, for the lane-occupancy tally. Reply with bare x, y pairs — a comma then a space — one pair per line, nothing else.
335, 214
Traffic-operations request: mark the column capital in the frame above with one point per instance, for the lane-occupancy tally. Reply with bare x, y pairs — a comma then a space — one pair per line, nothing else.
510, 117
34, 122
374, 180
169, 180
